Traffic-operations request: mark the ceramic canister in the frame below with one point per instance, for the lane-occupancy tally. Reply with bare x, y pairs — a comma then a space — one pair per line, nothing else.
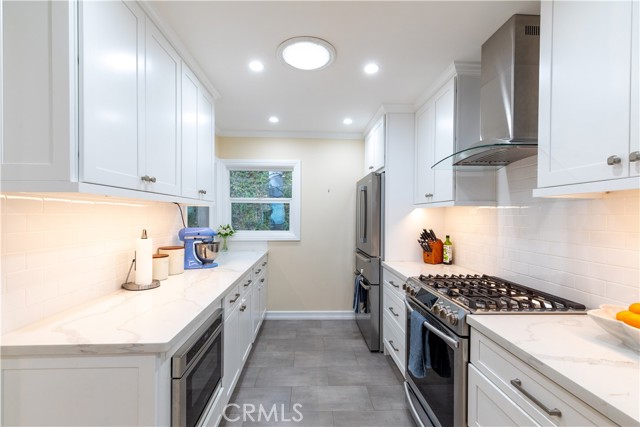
176, 258
160, 266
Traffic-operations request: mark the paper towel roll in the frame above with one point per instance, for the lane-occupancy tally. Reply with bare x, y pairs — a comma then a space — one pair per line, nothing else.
144, 260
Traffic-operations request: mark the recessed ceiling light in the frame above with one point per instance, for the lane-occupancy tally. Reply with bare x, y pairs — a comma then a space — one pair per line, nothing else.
371, 68
274, 119
306, 53
256, 66
347, 121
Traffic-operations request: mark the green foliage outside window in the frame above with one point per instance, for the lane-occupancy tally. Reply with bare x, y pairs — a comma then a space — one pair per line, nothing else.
260, 184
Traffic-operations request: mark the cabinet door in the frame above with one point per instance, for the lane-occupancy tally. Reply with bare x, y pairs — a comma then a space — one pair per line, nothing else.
39, 56
444, 140
635, 91
112, 37
585, 78
232, 357
162, 138
374, 148
206, 146
256, 290
190, 89
424, 155
264, 284
245, 328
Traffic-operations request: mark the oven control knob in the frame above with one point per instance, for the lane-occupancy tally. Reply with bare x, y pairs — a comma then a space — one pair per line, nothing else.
452, 319
444, 312
412, 292
404, 286
436, 309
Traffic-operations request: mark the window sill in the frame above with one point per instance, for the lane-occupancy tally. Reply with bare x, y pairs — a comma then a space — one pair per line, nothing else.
245, 236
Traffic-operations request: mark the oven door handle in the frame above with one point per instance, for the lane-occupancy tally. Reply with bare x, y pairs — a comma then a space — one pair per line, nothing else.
365, 287
450, 341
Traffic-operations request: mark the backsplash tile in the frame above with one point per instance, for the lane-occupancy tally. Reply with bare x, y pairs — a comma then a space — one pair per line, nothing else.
59, 251
587, 250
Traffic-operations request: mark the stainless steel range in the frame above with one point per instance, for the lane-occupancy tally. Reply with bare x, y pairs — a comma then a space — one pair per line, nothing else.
437, 395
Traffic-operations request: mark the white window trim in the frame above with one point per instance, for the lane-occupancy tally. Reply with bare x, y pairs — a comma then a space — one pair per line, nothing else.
294, 206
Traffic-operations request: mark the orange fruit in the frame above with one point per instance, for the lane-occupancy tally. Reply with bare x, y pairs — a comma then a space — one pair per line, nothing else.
621, 315
635, 308
632, 319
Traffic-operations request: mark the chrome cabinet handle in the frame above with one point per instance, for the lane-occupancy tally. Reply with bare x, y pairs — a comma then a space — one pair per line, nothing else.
555, 412
145, 178
370, 167
634, 156
243, 307
264, 263
613, 160
393, 312
258, 271
248, 283
202, 192
262, 280
391, 344
428, 195
235, 299
153, 179
393, 284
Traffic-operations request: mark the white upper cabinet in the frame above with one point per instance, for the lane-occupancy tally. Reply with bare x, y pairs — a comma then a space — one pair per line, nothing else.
112, 86
104, 85
374, 146
163, 81
39, 101
197, 138
588, 129
449, 121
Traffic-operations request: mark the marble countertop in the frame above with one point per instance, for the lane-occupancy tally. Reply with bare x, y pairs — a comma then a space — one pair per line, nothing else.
577, 354
151, 321
407, 269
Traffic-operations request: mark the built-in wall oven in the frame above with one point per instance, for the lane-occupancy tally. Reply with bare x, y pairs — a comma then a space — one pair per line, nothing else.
196, 371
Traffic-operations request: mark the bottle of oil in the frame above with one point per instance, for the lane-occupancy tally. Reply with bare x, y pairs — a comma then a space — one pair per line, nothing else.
447, 251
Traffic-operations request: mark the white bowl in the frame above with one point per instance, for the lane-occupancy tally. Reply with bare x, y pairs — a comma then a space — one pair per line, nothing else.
605, 317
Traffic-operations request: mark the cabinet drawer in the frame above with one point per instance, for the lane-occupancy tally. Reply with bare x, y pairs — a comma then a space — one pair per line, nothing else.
393, 308
536, 394
488, 406
245, 283
395, 342
260, 267
231, 299
393, 282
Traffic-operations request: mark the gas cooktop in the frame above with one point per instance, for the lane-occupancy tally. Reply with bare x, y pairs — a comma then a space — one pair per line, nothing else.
488, 294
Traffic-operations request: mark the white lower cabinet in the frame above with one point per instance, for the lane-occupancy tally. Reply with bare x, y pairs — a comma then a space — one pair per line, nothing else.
83, 390
504, 390
394, 317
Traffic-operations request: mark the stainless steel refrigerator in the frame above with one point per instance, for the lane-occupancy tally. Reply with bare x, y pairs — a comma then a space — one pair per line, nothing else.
368, 256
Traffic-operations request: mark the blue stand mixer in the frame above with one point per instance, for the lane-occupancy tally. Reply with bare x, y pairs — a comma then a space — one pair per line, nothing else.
199, 248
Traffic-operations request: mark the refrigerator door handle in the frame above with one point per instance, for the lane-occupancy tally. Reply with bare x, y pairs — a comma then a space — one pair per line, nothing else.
362, 206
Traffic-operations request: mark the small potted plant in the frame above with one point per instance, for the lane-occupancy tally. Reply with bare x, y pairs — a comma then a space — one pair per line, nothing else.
225, 231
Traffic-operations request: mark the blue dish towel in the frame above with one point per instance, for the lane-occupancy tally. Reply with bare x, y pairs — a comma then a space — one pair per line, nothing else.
419, 352
356, 294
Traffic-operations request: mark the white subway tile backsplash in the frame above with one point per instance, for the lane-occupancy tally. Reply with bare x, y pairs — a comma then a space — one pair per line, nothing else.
587, 250
61, 251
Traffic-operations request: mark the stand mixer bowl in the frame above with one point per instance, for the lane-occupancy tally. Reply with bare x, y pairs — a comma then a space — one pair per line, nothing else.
207, 252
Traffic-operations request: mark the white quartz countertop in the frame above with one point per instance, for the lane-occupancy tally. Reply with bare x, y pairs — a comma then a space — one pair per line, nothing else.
407, 269
151, 321
577, 354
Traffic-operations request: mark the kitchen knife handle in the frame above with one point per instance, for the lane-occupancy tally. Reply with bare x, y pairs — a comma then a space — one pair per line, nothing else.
555, 412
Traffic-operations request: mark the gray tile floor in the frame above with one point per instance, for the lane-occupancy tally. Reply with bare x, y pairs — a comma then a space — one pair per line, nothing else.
318, 373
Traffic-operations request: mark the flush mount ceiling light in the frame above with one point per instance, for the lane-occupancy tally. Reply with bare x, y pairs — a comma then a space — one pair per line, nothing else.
306, 53
256, 66
371, 68
348, 121
273, 119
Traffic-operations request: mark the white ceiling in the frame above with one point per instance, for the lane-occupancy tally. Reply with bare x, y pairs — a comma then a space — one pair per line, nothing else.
413, 42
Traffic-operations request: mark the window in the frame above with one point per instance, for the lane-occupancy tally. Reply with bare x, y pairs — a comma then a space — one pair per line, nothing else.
262, 199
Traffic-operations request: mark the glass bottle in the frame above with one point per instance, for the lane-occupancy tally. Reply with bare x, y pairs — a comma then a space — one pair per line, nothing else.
447, 251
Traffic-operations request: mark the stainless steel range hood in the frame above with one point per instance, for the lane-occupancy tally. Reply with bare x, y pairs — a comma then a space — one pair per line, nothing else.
508, 97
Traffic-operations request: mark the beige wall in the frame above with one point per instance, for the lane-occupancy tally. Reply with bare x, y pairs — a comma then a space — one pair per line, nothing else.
314, 273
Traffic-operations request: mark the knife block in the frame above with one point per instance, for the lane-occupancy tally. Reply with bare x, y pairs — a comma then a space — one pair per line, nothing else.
435, 256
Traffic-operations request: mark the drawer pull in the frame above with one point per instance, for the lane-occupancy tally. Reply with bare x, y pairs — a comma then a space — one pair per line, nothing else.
247, 284
235, 299
393, 312
393, 284
391, 344
555, 412
258, 271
